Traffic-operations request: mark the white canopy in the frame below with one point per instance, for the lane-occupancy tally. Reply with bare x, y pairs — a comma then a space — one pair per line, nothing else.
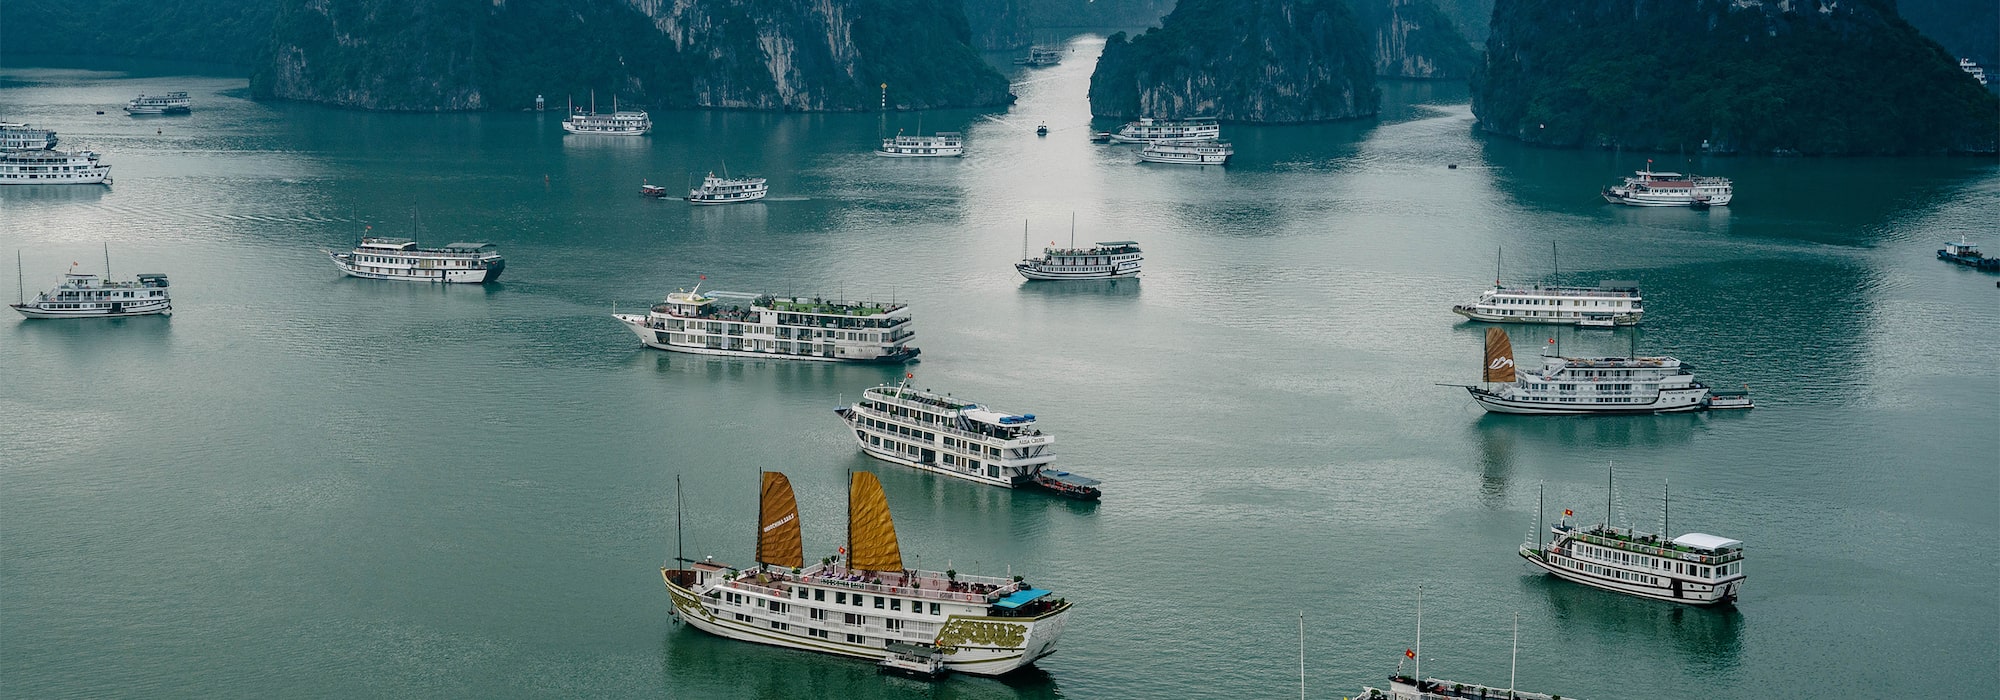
1708, 542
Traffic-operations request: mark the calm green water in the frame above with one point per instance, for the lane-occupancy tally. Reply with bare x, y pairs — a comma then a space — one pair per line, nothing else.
305, 485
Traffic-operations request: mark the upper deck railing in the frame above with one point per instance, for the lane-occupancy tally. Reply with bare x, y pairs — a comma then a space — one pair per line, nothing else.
1649, 544
933, 585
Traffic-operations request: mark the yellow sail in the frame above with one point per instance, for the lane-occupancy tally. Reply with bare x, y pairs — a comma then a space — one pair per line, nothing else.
778, 524
1499, 356
871, 534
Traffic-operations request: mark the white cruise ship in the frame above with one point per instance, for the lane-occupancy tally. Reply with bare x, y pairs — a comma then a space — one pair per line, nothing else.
753, 325
1178, 153
944, 144
1693, 568
89, 296
1647, 188
1585, 385
943, 435
170, 103
863, 602
53, 168
618, 123
1610, 303
17, 136
381, 258
1168, 131
1040, 57
1102, 261
722, 190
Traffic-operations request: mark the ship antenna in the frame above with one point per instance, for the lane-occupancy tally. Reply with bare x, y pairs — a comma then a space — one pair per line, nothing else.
1541, 492
1553, 255
1496, 265
1024, 239
20, 283
1072, 230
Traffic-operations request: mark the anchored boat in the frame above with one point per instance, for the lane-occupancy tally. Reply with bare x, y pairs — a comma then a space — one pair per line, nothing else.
618, 123
1177, 153
1967, 253
1693, 568
1408, 687
170, 103
1040, 57
943, 435
862, 602
1610, 303
18, 136
1585, 385
1647, 188
945, 144
761, 325
1150, 130
1101, 261
43, 167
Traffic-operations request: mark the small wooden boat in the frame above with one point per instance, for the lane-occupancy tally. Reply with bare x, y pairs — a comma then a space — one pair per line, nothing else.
1068, 485
1042, 130
919, 661
653, 190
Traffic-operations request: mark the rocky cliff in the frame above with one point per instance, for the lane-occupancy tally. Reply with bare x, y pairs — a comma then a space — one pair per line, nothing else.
807, 55
215, 31
1805, 76
1414, 39
1263, 61
999, 24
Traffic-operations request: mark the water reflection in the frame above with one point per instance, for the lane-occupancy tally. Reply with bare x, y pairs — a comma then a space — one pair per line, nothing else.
1056, 289
56, 194
1709, 637
697, 664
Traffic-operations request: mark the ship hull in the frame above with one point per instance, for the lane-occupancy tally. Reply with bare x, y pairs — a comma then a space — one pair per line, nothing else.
648, 337
1183, 159
571, 128
161, 308
1724, 593
737, 200
1035, 273
888, 154
489, 273
1641, 200
98, 176
1038, 636
1669, 401
1475, 314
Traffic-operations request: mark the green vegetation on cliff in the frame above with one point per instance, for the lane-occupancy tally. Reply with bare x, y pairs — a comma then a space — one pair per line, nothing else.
214, 31
1415, 39
1739, 75
1268, 61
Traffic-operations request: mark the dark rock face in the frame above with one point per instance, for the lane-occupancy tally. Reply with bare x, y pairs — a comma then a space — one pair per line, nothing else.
1259, 61
806, 55
1414, 39
1804, 76
999, 24
214, 31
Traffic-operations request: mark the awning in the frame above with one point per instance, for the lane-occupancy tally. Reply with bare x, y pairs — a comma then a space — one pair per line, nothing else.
1708, 542
1020, 598
1071, 479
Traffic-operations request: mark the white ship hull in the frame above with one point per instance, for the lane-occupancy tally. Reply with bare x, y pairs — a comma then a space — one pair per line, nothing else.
628, 131
728, 200
1687, 593
94, 176
157, 110
1121, 138
1037, 273
442, 276
1668, 401
1038, 636
1653, 200
944, 153
650, 338
1184, 158
1476, 314
117, 310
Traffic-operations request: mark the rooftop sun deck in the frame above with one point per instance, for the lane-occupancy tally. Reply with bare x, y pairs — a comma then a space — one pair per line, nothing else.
910, 583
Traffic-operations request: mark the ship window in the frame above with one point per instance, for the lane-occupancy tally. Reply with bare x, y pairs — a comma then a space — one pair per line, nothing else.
817, 633
819, 595
856, 639
896, 604
892, 624
936, 609
878, 602
840, 598
802, 594
853, 619
776, 625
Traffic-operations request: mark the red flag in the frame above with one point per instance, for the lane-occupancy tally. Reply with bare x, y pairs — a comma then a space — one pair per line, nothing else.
1412, 653
1552, 341
704, 276
1567, 512
909, 375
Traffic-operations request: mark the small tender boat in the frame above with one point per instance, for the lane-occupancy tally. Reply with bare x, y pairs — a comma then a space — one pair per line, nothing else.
1068, 485
920, 661
1730, 399
1100, 137
1042, 130
723, 190
1178, 153
1967, 253
170, 103
653, 190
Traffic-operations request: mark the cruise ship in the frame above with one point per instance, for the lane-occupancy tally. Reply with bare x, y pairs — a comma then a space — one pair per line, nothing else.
1102, 261
1040, 57
170, 103
1693, 568
761, 325
945, 144
1585, 385
722, 190
944, 435
89, 296
1647, 188
863, 602
1180, 153
382, 258
1610, 303
17, 136
618, 123
53, 168
1167, 131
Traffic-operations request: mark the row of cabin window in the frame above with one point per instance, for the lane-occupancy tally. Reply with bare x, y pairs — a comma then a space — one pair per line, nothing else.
1557, 302
1679, 567
968, 446
110, 295
902, 430
890, 603
410, 261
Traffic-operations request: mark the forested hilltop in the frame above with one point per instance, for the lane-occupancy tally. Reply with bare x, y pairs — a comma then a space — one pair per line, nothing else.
1754, 76
1265, 61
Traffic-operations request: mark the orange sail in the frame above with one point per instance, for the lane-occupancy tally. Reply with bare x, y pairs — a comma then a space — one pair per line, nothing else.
1499, 356
778, 524
871, 534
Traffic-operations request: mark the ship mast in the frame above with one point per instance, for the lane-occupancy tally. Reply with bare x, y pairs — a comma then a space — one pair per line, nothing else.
680, 548
20, 282
1302, 655
1607, 498
1514, 660
1418, 676
1666, 503
107, 262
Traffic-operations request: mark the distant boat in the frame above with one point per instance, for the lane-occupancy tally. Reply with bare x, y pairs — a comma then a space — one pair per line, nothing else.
1168, 131
1409, 687
1040, 57
1180, 153
651, 190
1967, 253
170, 103
1042, 129
956, 438
1101, 261
53, 168
384, 258
863, 602
724, 190
617, 123
84, 295
1610, 303
760, 325
1647, 188
17, 136
945, 144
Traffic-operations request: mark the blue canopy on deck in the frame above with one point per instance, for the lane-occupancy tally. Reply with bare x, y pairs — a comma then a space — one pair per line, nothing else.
1020, 598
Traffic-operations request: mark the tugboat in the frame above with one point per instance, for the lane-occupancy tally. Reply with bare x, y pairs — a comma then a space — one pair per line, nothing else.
863, 602
1694, 568
1967, 254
